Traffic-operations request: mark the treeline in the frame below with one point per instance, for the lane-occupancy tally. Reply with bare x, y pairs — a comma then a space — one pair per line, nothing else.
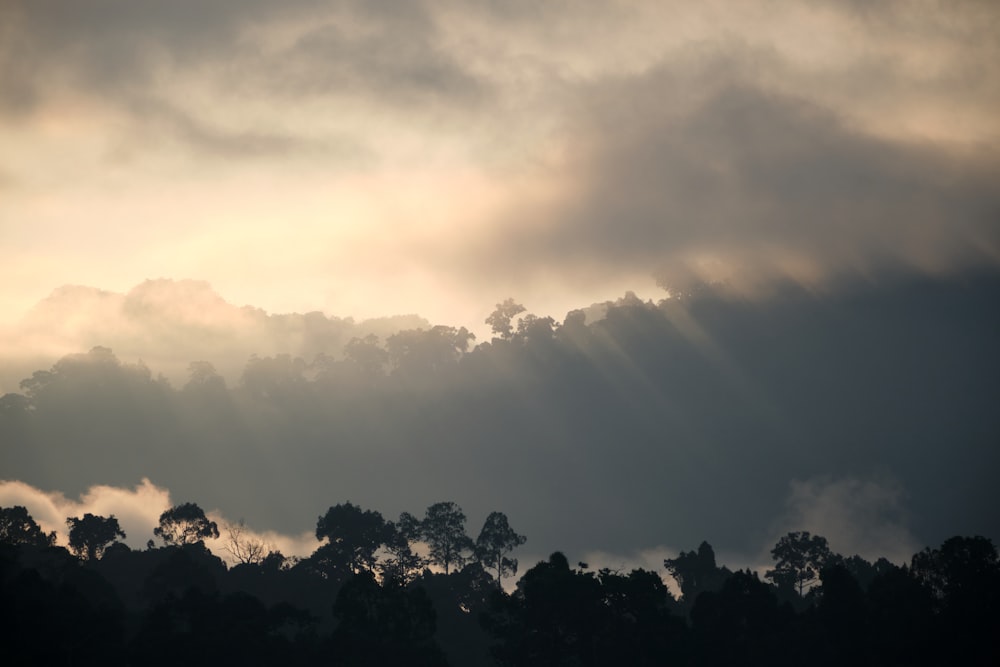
369, 596
590, 412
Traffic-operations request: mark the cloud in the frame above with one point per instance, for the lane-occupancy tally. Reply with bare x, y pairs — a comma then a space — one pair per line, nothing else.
742, 183
137, 509
168, 324
866, 517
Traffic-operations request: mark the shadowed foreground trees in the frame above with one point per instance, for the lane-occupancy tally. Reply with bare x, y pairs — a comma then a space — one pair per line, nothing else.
180, 603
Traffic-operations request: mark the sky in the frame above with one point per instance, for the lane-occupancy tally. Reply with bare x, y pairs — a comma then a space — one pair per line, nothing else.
166, 164
367, 159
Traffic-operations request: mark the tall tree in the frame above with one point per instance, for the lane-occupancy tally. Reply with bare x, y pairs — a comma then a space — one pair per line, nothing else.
402, 563
696, 571
417, 353
800, 557
500, 319
185, 524
495, 541
18, 527
443, 528
244, 547
353, 536
91, 535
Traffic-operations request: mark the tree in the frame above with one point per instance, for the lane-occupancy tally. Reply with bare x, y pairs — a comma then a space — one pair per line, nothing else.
402, 563
495, 541
500, 319
800, 557
353, 536
203, 378
91, 535
384, 625
443, 528
417, 352
696, 571
18, 527
185, 524
245, 548
962, 568
367, 355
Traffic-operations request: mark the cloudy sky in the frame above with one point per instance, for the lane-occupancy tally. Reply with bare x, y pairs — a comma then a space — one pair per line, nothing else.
374, 158
367, 158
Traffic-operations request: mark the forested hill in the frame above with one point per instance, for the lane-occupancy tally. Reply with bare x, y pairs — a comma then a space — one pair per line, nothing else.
365, 597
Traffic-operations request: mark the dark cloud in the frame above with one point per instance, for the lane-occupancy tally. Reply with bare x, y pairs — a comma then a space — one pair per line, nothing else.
118, 52
749, 175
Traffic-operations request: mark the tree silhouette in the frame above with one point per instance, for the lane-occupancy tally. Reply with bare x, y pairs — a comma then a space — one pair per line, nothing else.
500, 319
696, 571
800, 557
416, 352
353, 536
185, 524
91, 535
443, 528
18, 527
402, 563
495, 541
246, 549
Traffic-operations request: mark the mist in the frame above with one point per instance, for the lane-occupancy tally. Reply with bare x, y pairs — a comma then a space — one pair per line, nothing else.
865, 413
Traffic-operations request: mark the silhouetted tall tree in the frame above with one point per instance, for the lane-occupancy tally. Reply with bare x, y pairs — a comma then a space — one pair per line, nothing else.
500, 319
91, 535
495, 541
185, 524
18, 527
696, 571
353, 536
402, 563
443, 528
800, 557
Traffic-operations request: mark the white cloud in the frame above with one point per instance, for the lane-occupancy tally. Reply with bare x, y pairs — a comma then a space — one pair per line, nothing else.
857, 516
138, 511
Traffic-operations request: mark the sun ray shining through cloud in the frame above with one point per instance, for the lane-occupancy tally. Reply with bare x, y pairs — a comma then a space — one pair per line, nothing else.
249, 253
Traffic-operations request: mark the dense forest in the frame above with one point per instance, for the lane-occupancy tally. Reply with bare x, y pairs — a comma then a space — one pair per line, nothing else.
626, 425
420, 591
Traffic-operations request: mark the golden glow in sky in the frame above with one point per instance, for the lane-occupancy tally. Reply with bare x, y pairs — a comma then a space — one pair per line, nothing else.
435, 157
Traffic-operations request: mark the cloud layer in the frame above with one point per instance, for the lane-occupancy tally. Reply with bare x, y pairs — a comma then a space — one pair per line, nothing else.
439, 157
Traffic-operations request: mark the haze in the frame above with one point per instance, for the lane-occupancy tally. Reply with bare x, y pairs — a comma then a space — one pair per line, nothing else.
814, 186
